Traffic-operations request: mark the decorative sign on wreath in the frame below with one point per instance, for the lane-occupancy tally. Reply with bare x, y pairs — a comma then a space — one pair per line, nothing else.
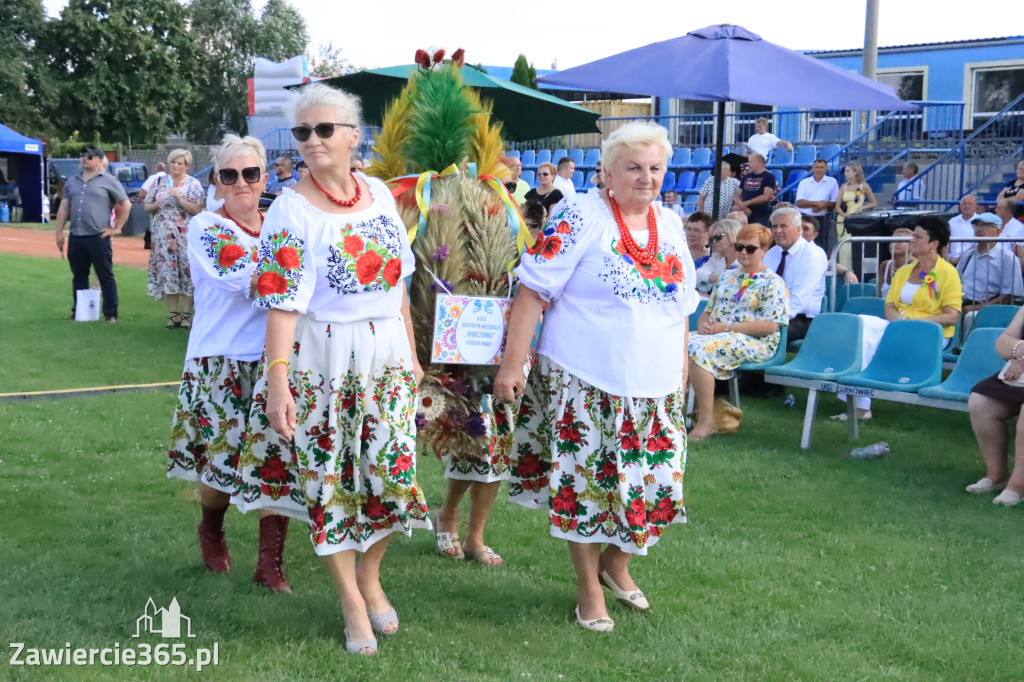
470, 330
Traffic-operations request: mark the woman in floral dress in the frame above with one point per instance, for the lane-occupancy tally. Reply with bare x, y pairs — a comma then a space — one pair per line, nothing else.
741, 323
222, 359
174, 201
600, 436
331, 433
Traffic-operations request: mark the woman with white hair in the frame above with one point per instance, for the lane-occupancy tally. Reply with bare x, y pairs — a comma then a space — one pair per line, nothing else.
600, 438
222, 359
332, 437
723, 255
174, 201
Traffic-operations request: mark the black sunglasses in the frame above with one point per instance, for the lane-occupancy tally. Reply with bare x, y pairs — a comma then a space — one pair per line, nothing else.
322, 130
543, 175
749, 248
229, 176
716, 237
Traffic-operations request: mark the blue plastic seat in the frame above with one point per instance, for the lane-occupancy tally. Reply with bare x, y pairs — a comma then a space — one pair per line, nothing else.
701, 158
952, 352
891, 368
690, 204
577, 180
668, 182
997, 316
978, 361
778, 176
805, 155
543, 156
845, 291
781, 156
831, 349
557, 155
686, 181
830, 153
592, 157
701, 179
589, 182
794, 178
529, 159
695, 315
681, 158
774, 361
513, 153
865, 305
577, 156
529, 177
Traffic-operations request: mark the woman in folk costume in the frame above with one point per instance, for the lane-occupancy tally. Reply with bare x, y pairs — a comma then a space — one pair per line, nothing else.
466, 242
222, 359
600, 435
331, 433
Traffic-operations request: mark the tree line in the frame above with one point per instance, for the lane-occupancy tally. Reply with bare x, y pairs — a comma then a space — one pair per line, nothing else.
134, 71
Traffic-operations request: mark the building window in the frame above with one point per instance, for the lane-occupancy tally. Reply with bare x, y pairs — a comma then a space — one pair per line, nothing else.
909, 85
994, 88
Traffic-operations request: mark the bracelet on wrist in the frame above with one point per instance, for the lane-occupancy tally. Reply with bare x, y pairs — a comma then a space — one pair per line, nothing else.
279, 361
1016, 347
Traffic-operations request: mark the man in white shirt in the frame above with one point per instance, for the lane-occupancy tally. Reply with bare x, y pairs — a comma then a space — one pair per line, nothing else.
158, 175
817, 194
988, 274
764, 142
801, 265
960, 227
563, 178
670, 200
1011, 227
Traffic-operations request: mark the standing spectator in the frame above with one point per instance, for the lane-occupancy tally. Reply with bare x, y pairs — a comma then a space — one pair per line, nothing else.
516, 185
801, 265
988, 274
1015, 190
727, 190
563, 177
757, 189
282, 176
763, 142
816, 195
174, 201
159, 172
855, 195
908, 191
960, 226
88, 199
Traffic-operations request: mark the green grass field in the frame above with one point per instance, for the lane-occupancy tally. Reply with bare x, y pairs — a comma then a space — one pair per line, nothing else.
795, 565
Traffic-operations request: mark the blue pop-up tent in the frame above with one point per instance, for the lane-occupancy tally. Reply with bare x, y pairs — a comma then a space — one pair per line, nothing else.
27, 172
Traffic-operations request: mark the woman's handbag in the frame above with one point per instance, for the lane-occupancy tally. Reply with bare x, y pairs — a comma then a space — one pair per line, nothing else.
727, 416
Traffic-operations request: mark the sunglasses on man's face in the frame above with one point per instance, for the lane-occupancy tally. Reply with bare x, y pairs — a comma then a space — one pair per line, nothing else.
322, 130
749, 248
229, 176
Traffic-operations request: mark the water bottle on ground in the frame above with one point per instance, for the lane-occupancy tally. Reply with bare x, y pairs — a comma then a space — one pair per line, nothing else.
790, 400
868, 451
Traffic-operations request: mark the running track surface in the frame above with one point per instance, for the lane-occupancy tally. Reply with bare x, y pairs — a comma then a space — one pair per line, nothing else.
128, 251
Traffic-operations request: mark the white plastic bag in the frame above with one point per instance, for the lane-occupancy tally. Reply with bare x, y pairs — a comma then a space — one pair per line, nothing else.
87, 305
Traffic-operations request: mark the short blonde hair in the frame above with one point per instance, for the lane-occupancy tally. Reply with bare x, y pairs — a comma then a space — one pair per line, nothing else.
180, 154
729, 227
345, 105
634, 135
233, 146
550, 166
858, 171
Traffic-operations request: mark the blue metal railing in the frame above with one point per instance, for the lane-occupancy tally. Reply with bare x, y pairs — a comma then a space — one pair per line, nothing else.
975, 165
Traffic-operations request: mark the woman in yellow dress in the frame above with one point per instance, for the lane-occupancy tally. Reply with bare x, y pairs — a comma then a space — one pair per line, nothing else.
855, 195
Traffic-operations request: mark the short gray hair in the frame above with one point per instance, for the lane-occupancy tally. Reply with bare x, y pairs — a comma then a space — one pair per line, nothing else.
233, 146
178, 154
634, 135
346, 105
793, 215
730, 227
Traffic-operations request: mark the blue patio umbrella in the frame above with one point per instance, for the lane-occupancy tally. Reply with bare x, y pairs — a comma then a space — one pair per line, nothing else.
722, 63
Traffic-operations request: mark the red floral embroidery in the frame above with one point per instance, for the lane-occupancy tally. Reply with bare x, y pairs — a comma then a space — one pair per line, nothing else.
274, 470
392, 271
563, 228
271, 283
324, 442
229, 255
672, 270
367, 266
353, 245
287, 258
552, 247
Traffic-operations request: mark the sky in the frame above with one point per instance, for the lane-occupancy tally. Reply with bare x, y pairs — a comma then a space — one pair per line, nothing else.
376, 33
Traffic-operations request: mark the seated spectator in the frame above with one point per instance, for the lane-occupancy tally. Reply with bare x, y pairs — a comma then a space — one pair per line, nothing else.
726, 193
802, 265
740, 324
696, 227
757, 189
988, 274
517, 187
809, 228
908, 190
545, 192
817, 194
992, 404
960, 227
597, 180
301, 169
356, 163
563, 177
763, 142
282, 176
900, 256
1012, 227
855, 195
670, 200
926, 289
1015, 190
723, 256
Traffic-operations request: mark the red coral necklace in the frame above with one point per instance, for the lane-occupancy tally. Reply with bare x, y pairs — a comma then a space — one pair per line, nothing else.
347, 203
647, 256
250, 232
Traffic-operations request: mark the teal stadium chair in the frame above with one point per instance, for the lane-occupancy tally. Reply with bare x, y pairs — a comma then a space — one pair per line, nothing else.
695, 315
778, 359
979, 360
865, 305
890, 368
845, 291
994, 316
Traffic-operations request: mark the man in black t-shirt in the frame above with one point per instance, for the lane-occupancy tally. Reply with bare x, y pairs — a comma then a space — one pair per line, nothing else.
757, 188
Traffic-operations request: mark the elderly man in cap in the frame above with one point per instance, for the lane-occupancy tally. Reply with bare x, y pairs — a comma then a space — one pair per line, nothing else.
988, 274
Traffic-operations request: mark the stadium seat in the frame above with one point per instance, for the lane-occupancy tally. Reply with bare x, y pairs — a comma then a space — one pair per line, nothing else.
513, 154
589, 182
830, 153
889, 369
701, 158
774, 361
690, 204
865, 305
695, 315
557, 155
805, 155
686, 181
577, 156
831, 350
668, 182
529, 159
577, 180
994, 316
529, 177
592, 157
845, 291
778, 176
795, 176
543, 156
979, 360
681, 158
780, 156
701, 179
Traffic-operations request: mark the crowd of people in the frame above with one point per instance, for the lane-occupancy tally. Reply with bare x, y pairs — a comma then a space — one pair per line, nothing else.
298, 396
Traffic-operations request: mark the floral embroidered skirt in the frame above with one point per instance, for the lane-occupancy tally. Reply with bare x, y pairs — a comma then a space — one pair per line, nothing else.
492, 464
210, 419
350, 471
720, 354
607, 468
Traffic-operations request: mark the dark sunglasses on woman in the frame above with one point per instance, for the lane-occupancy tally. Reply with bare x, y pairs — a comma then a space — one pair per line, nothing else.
715, 238
229, 176
322, 130
749, 248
